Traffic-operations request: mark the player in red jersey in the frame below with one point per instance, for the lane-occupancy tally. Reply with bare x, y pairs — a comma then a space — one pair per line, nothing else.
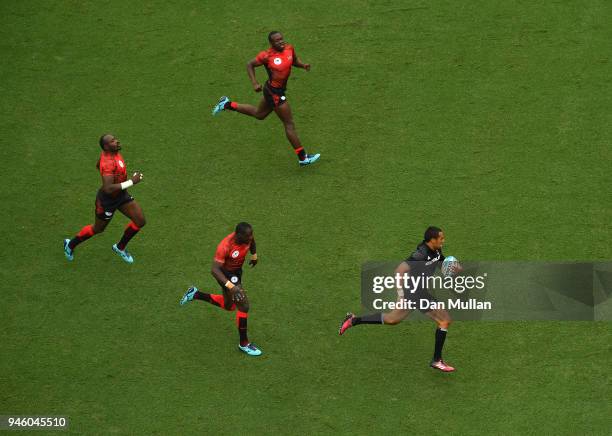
111, 196
277, 60
227, 270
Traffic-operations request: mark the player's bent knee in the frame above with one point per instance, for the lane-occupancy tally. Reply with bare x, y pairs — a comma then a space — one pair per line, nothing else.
444, 324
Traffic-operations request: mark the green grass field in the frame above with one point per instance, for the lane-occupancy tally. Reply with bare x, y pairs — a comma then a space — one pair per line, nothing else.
490, 119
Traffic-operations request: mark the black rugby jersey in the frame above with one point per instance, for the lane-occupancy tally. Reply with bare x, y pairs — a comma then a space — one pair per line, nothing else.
424, 260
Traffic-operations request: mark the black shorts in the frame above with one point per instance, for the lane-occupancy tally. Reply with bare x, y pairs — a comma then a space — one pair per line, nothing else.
106, 205
417, 296
234, 276
275, 97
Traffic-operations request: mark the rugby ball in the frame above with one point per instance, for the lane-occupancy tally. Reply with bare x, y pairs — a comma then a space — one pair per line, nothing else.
448, 266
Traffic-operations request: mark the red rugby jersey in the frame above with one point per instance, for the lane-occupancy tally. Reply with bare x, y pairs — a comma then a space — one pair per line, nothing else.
231, 254
278, 64
112, 164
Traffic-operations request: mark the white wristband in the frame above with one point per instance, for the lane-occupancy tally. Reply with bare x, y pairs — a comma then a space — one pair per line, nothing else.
126, 184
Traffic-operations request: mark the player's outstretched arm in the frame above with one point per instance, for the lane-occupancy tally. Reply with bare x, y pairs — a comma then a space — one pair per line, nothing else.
108, 187
299, 64
251, 72
402, 268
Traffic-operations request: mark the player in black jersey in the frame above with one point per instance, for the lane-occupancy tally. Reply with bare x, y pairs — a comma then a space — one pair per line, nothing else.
423, 261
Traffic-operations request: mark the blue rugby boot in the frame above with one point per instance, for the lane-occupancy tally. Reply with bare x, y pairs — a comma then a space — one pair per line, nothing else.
219, 107
188, 295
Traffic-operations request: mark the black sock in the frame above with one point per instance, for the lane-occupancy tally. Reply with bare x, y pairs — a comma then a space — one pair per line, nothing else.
242, 330
205, 297
440, 336
84, 234
129, 233
74, 242
375, 318
301, 153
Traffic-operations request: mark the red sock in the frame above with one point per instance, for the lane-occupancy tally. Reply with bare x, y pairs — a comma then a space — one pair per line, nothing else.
85, 233
241, 322
231, 105
130, 230
218, 299
214, 299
